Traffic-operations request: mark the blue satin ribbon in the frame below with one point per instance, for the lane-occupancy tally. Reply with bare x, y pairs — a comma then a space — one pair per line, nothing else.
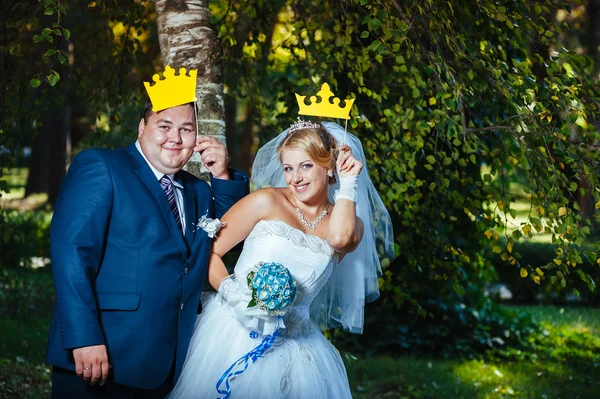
242, 364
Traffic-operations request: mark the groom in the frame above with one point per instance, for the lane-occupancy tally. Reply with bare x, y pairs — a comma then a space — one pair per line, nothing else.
129, 261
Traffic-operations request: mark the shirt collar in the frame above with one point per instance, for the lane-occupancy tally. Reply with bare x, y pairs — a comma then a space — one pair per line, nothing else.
158, 174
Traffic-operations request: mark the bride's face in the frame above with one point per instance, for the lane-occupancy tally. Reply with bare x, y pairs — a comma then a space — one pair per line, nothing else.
307, 180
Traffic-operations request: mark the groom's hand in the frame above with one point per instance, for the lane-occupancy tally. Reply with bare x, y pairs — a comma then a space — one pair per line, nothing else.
214, 156
91, 363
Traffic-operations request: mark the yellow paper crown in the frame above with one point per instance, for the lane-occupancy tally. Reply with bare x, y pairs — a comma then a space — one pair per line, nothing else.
327, 107
173, 90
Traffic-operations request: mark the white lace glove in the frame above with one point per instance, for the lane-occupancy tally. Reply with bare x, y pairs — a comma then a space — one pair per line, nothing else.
347, 189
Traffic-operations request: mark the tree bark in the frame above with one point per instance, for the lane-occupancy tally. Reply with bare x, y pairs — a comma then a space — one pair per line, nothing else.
247, 138
37, 179
593, 32
57, 159
187, 39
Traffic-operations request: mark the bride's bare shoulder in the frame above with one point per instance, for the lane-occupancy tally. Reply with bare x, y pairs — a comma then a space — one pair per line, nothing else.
268, 197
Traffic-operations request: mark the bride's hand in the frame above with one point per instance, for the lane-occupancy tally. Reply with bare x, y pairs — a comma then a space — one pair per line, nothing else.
347, 164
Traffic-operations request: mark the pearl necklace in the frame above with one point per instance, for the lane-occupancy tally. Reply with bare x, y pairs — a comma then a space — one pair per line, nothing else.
314, 224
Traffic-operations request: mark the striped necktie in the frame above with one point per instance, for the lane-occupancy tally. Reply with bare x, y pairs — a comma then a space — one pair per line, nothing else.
167, 186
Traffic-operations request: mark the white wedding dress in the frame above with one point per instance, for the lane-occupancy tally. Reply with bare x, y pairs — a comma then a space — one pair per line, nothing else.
302, 363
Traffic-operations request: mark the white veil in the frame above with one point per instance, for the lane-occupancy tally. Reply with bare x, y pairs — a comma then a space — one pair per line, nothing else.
354, 280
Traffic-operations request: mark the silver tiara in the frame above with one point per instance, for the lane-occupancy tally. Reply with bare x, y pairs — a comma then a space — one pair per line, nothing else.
302, 124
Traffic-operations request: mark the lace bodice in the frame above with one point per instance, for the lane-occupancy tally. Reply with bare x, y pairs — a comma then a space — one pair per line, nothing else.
309, 259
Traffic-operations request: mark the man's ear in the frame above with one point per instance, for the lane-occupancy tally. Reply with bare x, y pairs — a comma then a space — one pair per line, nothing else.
141, 127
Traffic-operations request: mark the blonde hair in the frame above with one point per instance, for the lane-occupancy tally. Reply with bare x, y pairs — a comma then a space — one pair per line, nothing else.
317, 143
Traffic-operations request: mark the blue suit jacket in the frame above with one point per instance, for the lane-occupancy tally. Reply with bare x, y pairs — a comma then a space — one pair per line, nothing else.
124, 274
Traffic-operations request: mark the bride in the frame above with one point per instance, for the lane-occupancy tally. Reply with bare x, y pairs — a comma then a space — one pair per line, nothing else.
318, 215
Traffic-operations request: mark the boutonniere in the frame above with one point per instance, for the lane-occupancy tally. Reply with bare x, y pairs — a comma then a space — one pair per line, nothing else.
211, 226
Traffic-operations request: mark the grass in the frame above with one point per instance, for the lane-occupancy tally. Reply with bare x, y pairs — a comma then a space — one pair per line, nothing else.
16, 179
566, 365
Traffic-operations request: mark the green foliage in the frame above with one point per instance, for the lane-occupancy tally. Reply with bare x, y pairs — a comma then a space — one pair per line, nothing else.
26, 292
453, 101
25, 235
470, 326
108, 55
540, 254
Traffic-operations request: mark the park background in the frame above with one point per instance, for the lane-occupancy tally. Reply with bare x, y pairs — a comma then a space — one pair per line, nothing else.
479, 122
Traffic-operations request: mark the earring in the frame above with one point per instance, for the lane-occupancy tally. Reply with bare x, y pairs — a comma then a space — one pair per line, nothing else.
330, 173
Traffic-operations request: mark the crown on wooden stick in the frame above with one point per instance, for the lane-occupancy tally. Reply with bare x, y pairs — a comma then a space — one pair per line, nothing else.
173, 90
329, 106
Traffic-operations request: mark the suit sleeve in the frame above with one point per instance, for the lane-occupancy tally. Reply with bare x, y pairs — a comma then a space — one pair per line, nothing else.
228, 192
77, 240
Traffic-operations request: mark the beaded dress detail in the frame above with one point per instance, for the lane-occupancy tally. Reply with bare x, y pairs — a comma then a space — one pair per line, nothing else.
302, 363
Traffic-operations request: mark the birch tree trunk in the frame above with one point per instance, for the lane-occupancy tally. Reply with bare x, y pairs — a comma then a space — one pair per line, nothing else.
187, 39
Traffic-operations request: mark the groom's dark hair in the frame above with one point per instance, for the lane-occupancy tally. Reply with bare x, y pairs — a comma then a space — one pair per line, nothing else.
148, 110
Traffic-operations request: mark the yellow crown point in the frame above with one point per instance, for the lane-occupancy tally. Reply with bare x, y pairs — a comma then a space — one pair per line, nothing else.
173, 90
328, 107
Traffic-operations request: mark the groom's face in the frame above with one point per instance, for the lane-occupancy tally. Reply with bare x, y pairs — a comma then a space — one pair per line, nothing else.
168, 137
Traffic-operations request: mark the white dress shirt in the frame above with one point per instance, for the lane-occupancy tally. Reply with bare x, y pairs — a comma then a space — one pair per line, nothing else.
178, 187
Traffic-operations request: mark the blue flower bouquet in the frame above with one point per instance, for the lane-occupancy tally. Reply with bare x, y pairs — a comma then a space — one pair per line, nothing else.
273, 288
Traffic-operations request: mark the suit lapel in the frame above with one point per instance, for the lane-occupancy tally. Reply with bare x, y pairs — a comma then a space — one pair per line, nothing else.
146, 175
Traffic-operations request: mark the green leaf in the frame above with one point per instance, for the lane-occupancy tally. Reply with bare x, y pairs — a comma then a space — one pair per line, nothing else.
364, 34
375, 23
57, 32
49, 11
430, 159
35, 82
49, 52
38, 38
62, 59
374, 45
46, 31
537, 9
471, 74
458, 289
364, 2
66, 33
52, 79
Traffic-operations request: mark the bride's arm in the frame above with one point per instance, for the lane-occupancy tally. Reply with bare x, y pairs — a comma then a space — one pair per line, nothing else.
240, 220
345, 228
